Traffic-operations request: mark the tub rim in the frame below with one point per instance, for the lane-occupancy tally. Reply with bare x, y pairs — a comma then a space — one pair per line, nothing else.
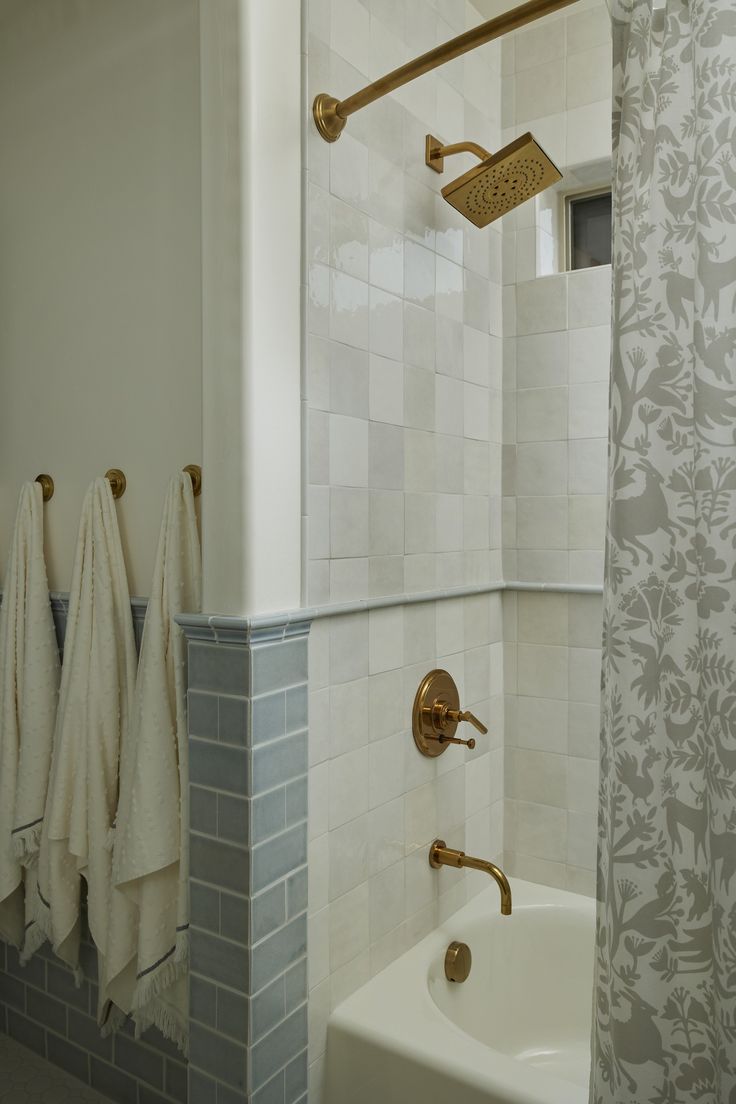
373, 1014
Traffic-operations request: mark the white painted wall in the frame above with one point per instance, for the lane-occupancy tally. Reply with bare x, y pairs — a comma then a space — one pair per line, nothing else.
150, 282
100, 301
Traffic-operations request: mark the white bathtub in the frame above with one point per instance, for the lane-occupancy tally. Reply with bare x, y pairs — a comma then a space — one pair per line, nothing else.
516, 1032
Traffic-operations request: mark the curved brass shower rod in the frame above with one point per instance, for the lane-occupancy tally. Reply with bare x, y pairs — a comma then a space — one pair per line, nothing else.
331, 114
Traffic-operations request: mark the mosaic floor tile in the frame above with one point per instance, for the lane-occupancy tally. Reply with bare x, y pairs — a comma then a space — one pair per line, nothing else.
27, 1079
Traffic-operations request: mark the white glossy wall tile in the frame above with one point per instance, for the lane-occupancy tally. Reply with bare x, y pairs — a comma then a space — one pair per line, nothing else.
446, 368
551, 777
556, 359
556, 370
376, 804
403, 417
404, 315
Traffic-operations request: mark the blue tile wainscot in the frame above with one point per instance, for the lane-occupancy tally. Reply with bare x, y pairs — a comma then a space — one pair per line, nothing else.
248, 819
41, 1007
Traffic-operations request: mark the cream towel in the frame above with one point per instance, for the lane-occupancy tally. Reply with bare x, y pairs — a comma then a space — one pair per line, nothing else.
97, 685
149, 953
29, 688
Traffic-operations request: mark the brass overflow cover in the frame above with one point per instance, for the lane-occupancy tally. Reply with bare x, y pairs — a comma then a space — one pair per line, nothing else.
437, 713
458, 961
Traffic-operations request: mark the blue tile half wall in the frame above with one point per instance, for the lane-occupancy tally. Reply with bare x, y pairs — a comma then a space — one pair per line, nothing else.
248, 818
41, 1007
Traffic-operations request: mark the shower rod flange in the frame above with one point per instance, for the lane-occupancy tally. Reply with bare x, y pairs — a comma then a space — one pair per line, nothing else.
329, 123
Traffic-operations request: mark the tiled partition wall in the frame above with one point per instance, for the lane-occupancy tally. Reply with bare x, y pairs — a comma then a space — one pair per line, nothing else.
248, 816
402, 400
557, 83
248, 821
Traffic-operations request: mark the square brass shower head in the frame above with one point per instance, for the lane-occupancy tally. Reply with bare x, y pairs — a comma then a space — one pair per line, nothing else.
498, 185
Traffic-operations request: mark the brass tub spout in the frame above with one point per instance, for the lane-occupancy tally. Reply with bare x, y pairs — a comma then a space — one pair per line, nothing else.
440, 855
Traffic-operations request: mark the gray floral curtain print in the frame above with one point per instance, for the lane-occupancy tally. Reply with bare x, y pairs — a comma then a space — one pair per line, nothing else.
665, 999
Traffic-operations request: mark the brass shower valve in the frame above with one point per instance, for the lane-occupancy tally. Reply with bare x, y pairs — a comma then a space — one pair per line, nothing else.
443, 717
437, 713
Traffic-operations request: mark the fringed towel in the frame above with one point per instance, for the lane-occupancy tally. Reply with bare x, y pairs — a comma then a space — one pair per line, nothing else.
149, 955
97, 685
29, 688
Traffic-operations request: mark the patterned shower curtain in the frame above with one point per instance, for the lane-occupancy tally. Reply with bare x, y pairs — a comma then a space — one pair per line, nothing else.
665, 1000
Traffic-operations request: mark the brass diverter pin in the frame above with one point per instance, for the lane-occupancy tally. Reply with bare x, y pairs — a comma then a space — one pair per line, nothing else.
437, 713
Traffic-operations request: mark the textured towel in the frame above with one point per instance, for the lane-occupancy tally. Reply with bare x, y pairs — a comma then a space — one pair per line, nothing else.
97, 685
29, 688
148, 952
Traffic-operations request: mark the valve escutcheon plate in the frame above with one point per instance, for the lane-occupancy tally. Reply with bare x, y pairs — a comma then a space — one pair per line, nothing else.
438, 687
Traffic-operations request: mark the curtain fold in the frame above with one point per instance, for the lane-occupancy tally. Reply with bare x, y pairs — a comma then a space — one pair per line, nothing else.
665, 1002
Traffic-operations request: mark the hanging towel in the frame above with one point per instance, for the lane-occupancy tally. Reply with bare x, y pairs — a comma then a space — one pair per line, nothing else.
29, 688
148, 953
96, 698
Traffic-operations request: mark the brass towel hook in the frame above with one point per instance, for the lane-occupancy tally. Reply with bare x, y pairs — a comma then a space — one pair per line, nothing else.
195, 472
47, 486
117, 481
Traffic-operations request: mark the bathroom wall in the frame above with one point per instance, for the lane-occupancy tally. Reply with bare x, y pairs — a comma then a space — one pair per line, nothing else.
403, 370
556, 83
375, 803
100, 361
425, 343
41, 1007
100, 298
402, 404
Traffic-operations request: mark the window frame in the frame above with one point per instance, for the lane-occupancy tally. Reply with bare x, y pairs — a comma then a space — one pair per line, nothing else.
569, 199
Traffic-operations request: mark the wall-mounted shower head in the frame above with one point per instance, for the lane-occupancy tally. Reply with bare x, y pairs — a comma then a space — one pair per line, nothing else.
501, 182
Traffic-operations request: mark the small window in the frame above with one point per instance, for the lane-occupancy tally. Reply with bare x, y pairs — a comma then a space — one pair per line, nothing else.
589, 230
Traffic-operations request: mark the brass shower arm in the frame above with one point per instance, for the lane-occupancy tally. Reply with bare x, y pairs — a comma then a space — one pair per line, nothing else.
460, 147
436, 153
331, 114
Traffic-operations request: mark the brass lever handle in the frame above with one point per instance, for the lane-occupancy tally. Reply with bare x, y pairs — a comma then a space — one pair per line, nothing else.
453, 740
443, 715
465, 715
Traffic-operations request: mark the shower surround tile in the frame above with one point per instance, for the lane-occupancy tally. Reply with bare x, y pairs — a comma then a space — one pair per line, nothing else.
375, 803
413, 292
556, 368
556, 363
